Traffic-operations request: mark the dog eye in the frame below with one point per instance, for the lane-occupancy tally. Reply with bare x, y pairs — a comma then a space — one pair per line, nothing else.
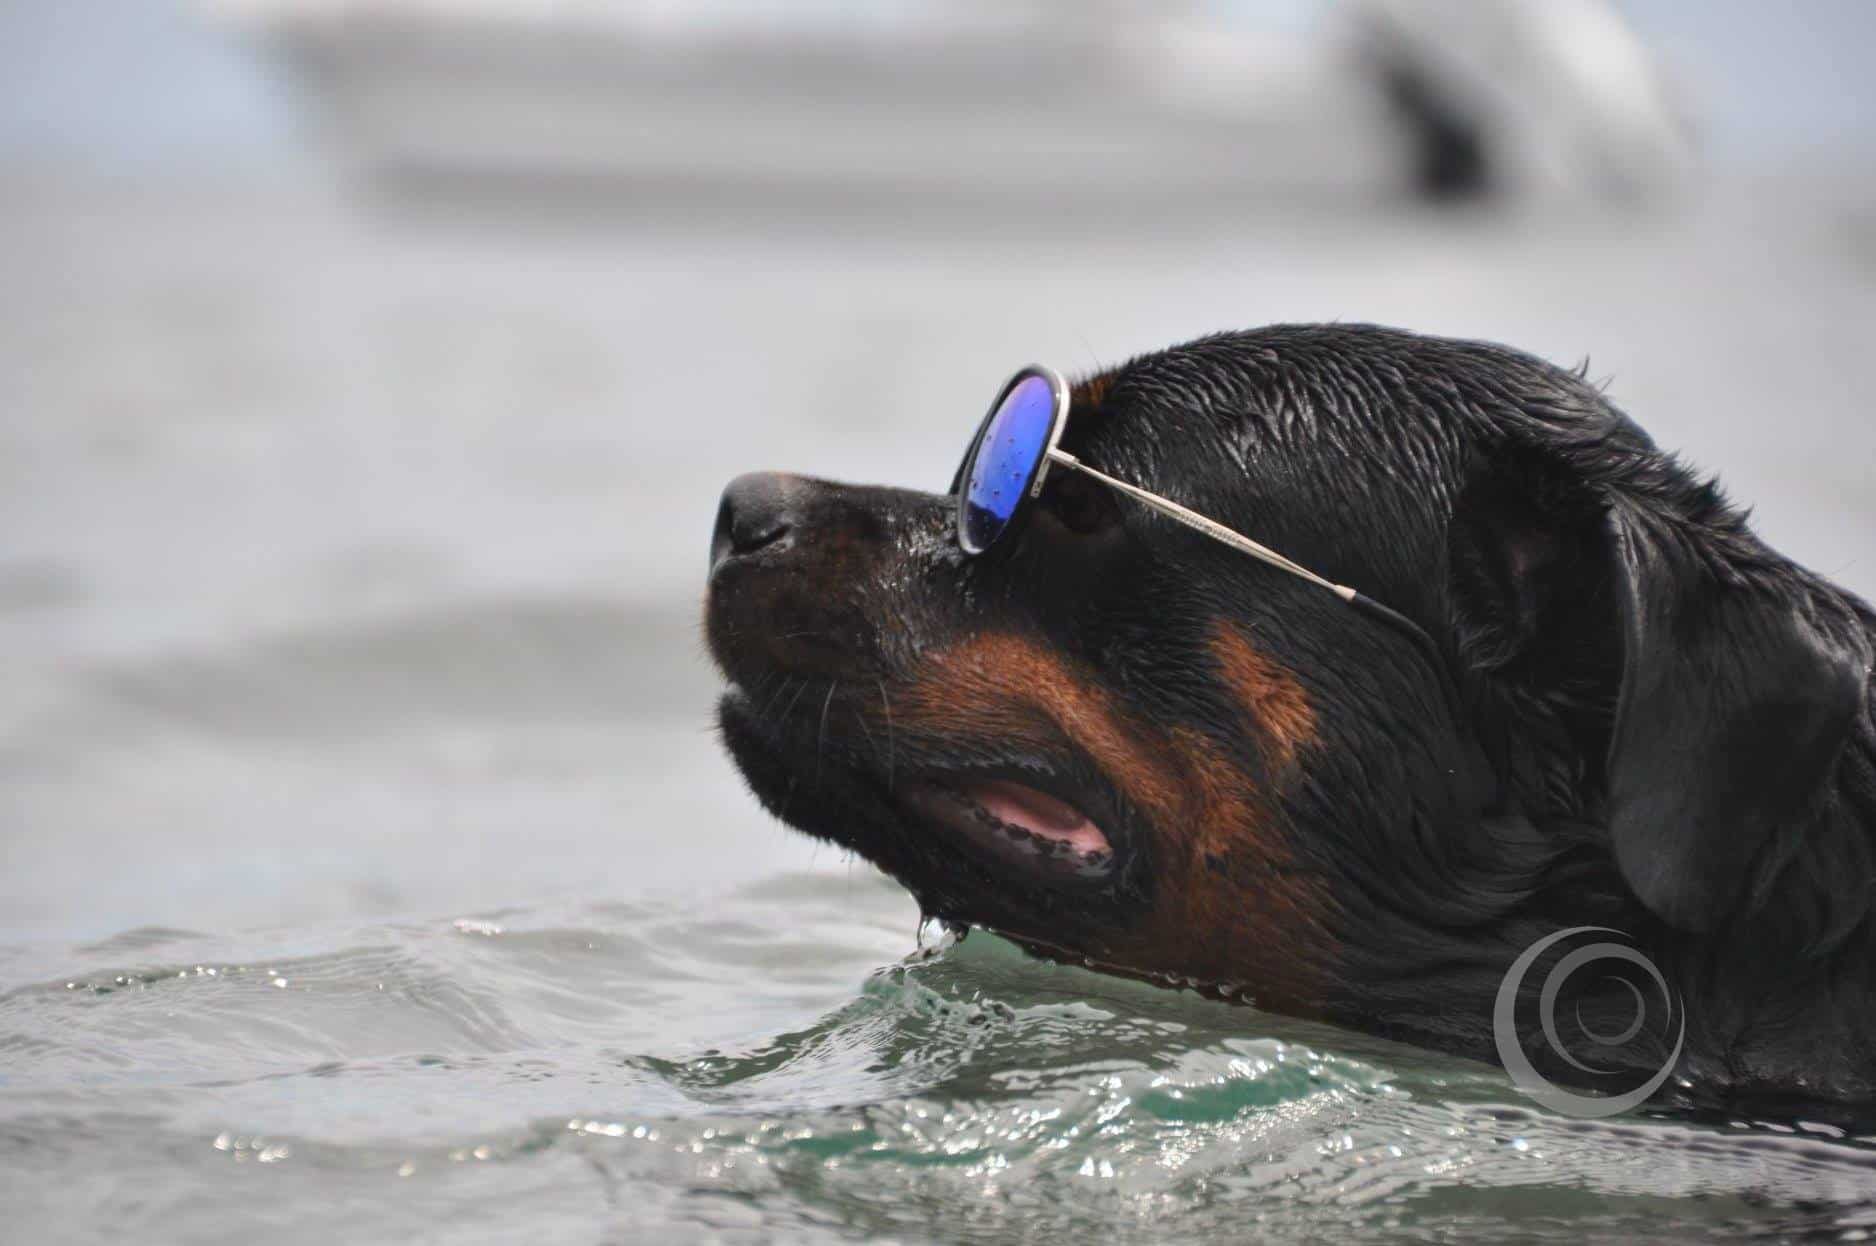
1079, 504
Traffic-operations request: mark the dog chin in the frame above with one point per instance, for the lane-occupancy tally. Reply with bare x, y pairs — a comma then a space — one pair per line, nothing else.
985, 848
828, 802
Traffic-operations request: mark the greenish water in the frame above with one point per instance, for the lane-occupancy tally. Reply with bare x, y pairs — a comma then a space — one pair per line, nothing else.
785, 1062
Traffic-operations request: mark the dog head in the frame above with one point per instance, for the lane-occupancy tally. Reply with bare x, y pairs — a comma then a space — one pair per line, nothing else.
1120, 742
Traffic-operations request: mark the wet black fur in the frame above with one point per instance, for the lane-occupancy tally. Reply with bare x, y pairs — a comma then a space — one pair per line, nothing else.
1664, 726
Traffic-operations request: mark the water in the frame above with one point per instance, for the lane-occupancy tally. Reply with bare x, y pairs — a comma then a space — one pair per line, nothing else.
368, 870
781, 1061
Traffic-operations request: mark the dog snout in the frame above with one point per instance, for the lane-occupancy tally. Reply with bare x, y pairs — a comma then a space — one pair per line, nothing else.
808, 576
754, 514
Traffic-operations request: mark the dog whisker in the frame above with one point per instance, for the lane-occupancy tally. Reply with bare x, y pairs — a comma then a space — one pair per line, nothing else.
820, 741
773, 693
886, 704
790, 708
859, 715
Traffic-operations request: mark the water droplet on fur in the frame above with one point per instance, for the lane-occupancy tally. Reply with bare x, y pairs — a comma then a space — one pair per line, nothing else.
935, 935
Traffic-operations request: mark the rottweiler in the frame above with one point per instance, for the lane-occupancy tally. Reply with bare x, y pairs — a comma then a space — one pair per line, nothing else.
1329, 668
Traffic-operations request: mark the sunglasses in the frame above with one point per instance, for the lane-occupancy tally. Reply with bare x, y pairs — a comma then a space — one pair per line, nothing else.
1019, 442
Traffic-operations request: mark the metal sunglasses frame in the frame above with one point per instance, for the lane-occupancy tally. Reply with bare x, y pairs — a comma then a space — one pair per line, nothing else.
1054, 456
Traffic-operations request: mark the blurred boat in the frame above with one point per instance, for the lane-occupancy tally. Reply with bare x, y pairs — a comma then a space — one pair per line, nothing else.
1556, 96
1012, 97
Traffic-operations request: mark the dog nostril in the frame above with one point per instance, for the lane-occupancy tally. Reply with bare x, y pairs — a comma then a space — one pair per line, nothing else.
754, 514
747, 538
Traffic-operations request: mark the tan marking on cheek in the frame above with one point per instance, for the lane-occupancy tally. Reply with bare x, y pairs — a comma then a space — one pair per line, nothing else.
1224, 910
1226, 805
1226, 898
1276, 705
1006, 688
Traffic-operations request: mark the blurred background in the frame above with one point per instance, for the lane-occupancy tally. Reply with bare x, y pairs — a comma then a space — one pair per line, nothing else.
368, 371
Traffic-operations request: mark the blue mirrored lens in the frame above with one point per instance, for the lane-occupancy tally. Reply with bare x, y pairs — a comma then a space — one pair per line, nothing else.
1005, 463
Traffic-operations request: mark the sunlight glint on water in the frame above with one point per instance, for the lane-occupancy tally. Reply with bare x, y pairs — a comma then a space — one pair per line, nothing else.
508, 1072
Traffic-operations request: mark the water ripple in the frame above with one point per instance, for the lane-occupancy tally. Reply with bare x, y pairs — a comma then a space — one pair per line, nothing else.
784, 1063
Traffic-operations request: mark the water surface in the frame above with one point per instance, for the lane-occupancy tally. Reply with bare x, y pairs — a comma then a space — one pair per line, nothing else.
785, 1060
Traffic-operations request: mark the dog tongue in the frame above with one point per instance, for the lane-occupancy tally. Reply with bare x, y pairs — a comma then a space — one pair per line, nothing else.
1041, 815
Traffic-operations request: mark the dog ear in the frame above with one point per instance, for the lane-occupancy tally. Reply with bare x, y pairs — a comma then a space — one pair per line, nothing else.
1528, 558
1718, 706
1732, 712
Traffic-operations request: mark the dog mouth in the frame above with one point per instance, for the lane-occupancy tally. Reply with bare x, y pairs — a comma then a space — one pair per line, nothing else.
1021, 821
1014, 824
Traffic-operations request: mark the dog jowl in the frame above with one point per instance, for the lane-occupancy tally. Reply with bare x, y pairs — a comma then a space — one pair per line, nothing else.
1117, 741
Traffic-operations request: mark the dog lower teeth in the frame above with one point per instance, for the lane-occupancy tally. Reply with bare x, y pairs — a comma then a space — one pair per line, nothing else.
1033, 820
1017, 824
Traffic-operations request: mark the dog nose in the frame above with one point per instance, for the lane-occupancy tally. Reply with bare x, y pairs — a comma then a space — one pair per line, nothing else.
753, 514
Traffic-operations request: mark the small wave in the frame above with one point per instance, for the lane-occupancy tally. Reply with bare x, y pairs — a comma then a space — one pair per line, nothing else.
784, 1062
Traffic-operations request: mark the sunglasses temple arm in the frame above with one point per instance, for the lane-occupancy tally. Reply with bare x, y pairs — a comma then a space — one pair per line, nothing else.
1211, 528
1263, 553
